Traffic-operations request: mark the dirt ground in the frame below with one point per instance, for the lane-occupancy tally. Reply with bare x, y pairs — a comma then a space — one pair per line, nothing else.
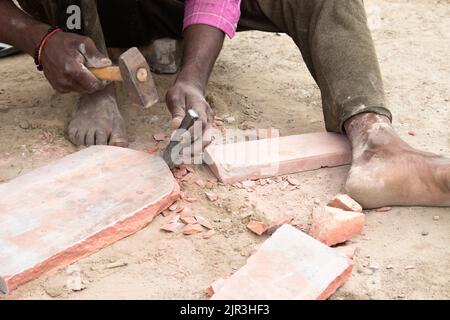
259, 79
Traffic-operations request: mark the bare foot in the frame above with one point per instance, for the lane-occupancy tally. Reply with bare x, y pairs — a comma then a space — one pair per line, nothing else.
97, 120
386, 171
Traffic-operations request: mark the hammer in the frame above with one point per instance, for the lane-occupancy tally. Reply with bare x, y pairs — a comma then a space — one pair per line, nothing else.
134, 72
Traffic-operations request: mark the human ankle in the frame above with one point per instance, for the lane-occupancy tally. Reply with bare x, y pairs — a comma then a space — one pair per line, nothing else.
370, 130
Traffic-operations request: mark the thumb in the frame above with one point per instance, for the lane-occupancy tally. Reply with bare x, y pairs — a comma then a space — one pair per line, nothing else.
176, 104
94, 58
177, 118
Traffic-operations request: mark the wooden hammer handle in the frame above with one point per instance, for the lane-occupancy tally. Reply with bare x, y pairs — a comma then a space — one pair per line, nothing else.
108, 73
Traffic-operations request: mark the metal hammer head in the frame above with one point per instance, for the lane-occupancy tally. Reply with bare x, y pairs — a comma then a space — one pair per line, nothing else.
137, 77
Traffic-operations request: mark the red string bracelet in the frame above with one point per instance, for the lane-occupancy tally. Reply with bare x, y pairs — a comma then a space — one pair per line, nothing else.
38, 52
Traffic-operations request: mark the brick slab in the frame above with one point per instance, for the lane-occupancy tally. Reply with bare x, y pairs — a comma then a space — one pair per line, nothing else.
57, 214
289, 265
264, 158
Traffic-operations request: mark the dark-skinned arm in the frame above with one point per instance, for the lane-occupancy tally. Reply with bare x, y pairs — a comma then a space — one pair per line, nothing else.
202, 45
65, 56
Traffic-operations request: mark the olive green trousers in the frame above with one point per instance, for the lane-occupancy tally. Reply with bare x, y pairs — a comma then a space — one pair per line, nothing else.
332, 35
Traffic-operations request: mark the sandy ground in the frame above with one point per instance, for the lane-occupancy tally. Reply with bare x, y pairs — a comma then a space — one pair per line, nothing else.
259, 79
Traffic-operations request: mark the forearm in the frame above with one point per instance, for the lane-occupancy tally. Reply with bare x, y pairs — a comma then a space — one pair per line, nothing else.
19, 29
202, 45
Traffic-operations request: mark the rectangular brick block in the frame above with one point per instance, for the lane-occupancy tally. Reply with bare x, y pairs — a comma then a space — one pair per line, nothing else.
277, 156
289, 265
332, 225
57, 214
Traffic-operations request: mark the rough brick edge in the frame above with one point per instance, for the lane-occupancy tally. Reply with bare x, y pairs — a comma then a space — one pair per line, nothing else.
122, 229
337, 283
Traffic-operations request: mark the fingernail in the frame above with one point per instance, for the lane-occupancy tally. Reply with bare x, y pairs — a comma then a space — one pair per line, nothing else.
176, 122
105, 61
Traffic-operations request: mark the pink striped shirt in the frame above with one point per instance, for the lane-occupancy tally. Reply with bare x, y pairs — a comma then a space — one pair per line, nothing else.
222, 14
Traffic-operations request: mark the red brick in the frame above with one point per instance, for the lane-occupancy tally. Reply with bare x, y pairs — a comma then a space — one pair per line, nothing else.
172, 218
277, 224
185, 212
172, 227
277, 156
289, 265
191, 229
208, 234
179, 173
293, 181
211, 196
333, 225
190, 198
204, 222
189, 220
87, 201
344, 202
257, 227
187, 177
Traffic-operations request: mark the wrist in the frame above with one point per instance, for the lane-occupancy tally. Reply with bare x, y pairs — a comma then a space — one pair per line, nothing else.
192, 76
36, 32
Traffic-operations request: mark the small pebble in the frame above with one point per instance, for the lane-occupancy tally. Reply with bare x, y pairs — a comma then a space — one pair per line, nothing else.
436, 218
24, 124
424, 233
229, 120
409, 267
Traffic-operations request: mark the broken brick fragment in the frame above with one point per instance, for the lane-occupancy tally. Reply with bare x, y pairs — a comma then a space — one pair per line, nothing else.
204, 222
190, 198
332, 225
257, 227
211, 196
179, 173
187, 177
293, 181
277, 224
344, 202
191, 229
172, 218
208, 234
189, 220
172, 227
